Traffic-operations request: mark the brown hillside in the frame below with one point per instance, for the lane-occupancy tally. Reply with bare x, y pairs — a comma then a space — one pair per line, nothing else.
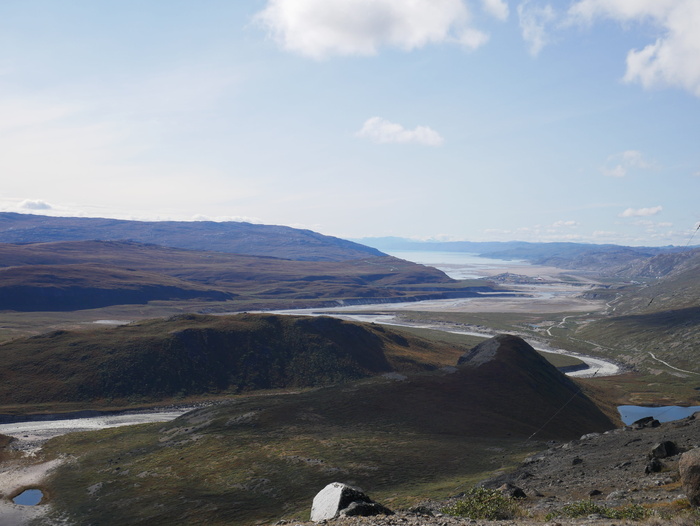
194, 355
161, 273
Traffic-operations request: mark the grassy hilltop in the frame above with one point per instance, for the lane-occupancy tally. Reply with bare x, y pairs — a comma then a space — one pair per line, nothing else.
194, 355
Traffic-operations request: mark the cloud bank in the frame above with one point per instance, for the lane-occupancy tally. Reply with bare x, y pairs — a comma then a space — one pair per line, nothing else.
382, 131
322, 28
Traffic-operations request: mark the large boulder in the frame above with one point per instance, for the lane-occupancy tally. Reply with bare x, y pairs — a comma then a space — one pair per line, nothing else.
689, 468
340, 499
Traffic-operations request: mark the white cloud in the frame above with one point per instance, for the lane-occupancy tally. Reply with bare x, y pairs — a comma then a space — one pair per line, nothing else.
672, 59
35, 204
641, 212
496, 8
383, 131
620, 164
534, 20
321, 28
560, 224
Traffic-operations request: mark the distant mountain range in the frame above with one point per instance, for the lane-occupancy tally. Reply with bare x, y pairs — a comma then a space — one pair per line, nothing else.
583, 256
233, 237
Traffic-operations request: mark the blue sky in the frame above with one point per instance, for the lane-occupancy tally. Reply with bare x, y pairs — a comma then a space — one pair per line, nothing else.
432, 119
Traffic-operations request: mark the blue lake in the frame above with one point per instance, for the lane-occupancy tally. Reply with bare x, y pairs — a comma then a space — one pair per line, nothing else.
29, 497
632, 413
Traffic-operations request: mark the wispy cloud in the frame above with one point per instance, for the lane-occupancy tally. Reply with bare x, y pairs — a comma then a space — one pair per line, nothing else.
320, 29
619, 164
496, 8
672, 59
641, 212
382, 131
535, 20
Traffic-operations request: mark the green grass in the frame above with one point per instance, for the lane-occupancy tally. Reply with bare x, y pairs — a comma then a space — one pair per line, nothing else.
482, 503
584, 508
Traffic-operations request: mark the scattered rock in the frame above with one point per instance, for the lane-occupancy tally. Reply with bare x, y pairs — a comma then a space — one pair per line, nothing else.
338, 499
689, 469
647, 421
513, 491
364, 509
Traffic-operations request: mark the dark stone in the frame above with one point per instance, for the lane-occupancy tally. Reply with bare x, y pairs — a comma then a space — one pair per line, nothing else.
647, 421
654, 466
663, 450
595, 493
510, 490
576, 461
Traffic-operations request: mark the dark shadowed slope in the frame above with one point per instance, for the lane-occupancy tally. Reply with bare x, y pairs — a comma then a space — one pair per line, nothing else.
230, 236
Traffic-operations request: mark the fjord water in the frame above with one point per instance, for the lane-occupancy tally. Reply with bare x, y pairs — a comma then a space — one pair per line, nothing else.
632, 413
457, 265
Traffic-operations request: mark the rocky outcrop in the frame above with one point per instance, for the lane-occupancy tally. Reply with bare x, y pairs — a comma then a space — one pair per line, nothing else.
689, 469
338, 499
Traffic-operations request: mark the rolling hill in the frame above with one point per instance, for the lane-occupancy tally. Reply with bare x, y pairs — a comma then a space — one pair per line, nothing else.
263, 458
77, 275
191, 355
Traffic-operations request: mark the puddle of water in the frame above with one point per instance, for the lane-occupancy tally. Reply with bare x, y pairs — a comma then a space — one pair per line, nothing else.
632, 413
29, 497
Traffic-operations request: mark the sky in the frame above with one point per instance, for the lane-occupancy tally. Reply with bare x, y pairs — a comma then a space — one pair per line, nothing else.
477, 120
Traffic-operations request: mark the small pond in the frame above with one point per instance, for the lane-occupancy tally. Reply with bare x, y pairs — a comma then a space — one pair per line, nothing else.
29, 497
632, 413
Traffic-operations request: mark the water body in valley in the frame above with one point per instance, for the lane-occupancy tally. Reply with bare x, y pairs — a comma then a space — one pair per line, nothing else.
460, 265
632, 413
29, 497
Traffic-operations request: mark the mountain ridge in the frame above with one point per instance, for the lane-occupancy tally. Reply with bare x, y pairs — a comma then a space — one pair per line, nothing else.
230, 236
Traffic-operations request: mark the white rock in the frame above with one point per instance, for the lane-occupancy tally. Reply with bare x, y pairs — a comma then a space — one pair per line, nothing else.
332, 499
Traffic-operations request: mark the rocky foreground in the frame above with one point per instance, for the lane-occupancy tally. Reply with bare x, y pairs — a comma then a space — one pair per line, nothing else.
632, 465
